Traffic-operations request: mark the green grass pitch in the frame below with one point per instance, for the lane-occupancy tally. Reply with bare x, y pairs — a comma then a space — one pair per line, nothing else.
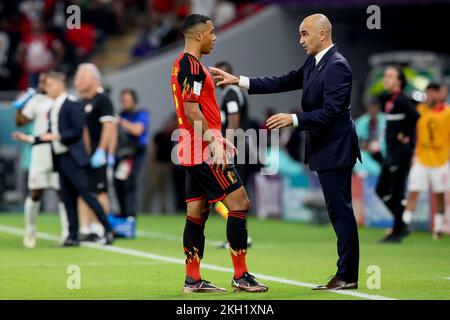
149, 267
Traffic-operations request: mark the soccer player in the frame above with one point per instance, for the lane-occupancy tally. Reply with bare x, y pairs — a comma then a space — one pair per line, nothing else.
202, 152
431, 157
98, 136
41, 174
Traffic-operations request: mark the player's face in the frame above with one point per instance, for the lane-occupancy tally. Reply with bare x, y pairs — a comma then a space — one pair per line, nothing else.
390, 80
433, 96
309, 38
41, 84
208, 38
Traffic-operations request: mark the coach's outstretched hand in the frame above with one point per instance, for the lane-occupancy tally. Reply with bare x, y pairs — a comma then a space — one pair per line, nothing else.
279, 120
223, 78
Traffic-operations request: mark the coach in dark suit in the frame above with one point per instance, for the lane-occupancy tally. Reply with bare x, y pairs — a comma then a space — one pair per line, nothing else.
71, 159
331, 144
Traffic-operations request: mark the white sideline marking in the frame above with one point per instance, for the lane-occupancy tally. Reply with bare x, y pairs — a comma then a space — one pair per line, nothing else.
153, 256
170, 237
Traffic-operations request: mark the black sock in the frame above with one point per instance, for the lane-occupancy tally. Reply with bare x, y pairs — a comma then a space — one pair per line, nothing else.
237, 230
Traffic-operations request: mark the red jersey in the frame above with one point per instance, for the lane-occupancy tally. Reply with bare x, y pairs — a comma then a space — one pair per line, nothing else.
191, 82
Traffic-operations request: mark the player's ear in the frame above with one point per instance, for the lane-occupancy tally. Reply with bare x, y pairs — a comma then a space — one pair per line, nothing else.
198, 36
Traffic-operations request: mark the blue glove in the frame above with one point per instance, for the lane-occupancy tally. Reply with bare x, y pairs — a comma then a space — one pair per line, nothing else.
111, 160
98, 159
20, 101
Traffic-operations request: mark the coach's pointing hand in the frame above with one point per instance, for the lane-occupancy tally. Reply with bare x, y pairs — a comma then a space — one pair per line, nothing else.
280, 120
223, 78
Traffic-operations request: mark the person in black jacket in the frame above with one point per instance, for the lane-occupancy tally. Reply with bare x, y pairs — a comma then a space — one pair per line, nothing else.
71, 160
401, 118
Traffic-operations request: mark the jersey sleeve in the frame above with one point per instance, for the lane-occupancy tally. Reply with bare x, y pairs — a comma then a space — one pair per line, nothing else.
144, 118
106, 110
29, 111
191, 78
231, 102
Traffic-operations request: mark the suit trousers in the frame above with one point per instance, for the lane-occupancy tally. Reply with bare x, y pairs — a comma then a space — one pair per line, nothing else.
73, 183
391, 188
337, 189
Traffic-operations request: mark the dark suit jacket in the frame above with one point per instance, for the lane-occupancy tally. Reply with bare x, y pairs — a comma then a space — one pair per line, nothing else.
70, 125
331, 140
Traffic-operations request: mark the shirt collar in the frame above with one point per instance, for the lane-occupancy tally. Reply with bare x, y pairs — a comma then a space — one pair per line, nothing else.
320, 55
60, 100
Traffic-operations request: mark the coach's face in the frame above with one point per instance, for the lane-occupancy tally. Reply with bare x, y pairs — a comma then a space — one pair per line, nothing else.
83, 81
310, 37
208, 37
53, 87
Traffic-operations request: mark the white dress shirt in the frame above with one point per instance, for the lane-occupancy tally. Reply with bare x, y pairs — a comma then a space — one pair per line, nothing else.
58, 147
244, 82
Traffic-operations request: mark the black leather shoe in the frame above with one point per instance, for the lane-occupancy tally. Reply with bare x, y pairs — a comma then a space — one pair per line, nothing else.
404, 232
391, 238
70, 243
337, 284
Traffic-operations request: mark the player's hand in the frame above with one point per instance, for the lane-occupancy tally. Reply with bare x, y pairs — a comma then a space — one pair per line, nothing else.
230, 149
223, 78
402, 138
48, 137
98, 159
279, 120
20, 136
219, 154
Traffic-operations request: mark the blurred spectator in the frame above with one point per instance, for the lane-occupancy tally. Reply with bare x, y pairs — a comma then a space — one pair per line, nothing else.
9, 70
224, 13
204, 7
39, 51
133, 132
160, 168
32, 9
370, 128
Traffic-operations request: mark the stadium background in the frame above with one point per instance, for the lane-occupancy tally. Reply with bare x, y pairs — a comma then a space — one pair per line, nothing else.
257, 38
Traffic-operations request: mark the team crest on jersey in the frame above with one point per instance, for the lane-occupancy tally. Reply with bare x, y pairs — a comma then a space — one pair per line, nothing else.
88, 108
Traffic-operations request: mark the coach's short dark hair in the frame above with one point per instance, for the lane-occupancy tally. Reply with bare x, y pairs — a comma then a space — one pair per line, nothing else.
132, 92
192, 20
224, 64
433, 86
57, 76
400, 75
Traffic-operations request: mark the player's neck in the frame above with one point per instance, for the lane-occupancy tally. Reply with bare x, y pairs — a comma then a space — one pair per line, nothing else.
193, 51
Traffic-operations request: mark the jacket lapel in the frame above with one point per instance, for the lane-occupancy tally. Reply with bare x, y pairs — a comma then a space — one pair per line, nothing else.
319, 67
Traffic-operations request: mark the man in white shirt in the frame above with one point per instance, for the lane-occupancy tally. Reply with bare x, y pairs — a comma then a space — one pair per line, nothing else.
41, 174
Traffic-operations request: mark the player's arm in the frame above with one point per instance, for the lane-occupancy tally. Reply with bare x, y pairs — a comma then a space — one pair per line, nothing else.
21, 120
217, 143
233, 111
112, 147
135, 129
234, 121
